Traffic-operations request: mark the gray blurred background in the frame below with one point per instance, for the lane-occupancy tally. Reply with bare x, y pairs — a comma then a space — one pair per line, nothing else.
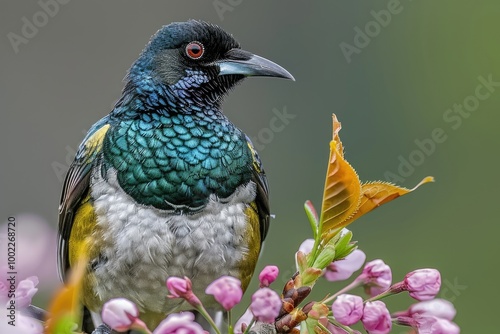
392, 91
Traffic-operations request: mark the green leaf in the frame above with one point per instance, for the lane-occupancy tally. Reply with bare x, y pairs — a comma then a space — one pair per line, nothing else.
310, 276
301, 261
65, 325
348, 249
312, 215
342, 243
325, 257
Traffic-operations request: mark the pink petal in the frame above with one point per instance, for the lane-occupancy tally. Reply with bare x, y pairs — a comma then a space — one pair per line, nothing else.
119, 314
376, 318
226, 291
266, 305
25, 291
423, 284
343, 269
179, 323
306, 246
348, 309
433, 325
439, 308
268, 275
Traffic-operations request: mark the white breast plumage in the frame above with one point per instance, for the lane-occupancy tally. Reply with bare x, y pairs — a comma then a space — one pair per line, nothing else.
146, 245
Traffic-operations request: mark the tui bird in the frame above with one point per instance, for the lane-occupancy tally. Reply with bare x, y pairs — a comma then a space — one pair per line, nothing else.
165, 185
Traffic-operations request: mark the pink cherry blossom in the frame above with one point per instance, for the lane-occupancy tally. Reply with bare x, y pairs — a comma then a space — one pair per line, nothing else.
179, 287
120, 314
343, 269
182, 288
306, 246
36, 242
376, 318
376, 277
25, 291
423, 284
179, 323
243, 322
425, 324
23, 324
304, 249
348, 309
268, 275
434, 325
266, 305
226, 291
438, 308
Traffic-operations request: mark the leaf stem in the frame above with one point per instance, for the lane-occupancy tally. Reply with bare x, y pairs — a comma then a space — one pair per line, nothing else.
338, 324
249, 326
207, 317
325, 330
229, 322
354, 284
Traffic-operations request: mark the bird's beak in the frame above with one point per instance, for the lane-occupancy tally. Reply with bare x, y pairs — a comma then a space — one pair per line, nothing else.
242, 62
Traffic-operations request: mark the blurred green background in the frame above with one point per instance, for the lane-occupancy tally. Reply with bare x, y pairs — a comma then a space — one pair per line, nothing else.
393, 90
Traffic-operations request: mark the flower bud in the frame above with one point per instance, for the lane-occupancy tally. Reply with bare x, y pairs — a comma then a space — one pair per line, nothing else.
428, 324
178, 287
179, 323
376, 318
348, 309
25, 291
226, 291
318, 311
120, 314
310, 275
182, 288
377, 277
433, 325
268, 275
266, 305
438, 308
300, 261
423, 284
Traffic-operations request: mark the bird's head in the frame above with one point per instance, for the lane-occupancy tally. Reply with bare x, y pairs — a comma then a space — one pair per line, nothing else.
199, 61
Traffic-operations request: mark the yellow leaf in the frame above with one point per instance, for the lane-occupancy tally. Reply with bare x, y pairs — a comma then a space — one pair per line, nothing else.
66, 303
337, 126
344, 198
374, 194
342, 186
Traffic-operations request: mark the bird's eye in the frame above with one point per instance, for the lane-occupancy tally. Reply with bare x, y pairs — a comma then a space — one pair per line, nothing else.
195, 50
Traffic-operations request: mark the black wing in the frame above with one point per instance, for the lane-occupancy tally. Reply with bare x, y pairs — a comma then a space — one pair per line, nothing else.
262, 198
75, 189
